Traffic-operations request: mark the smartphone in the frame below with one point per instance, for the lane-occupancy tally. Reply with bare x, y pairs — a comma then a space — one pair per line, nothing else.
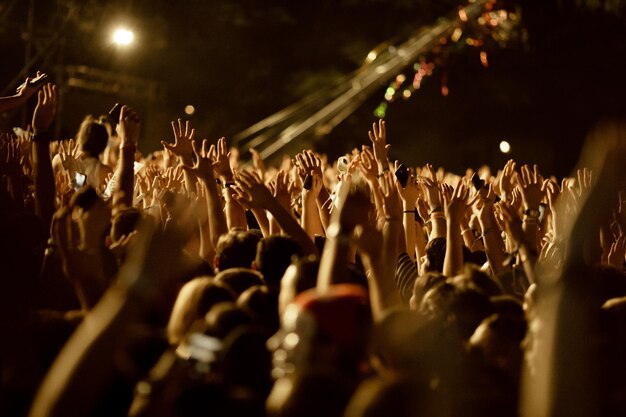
39, 80
308, 182
477, 182
114, 113
542, 211
79, 180
402, 174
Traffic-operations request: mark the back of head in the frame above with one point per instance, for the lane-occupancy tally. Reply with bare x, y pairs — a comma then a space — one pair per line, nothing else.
225, 317
436, 252
239, 279
236, 249
273, 256
261, 305
92, 136
339, 318
194, 300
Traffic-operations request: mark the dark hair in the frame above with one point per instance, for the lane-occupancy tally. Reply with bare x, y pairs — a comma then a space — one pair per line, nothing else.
261, 305
273, 257
92, 136
236, 248
436, 253
225, 317
239, 279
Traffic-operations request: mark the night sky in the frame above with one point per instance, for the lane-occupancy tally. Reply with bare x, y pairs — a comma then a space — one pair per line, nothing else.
239, 61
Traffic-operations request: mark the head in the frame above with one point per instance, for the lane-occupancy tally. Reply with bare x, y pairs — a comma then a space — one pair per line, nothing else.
273, 256
262, 305
300, 276
92, 136
225, 317
236, 249
194, 300
326, 330
239, 279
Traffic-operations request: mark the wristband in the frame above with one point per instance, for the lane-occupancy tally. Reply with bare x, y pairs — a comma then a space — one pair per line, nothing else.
532, 213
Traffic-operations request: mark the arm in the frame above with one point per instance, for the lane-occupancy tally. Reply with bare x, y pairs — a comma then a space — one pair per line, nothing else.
310, 220
258, 195
455, 210
183, 139
128, 131
203, 169
380, 252
494, 245
24, 92
42, 166
409, 194
436, 216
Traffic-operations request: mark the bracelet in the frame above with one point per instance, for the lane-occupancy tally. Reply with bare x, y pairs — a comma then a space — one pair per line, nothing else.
392, 219
227, 184
414, 211
437, 216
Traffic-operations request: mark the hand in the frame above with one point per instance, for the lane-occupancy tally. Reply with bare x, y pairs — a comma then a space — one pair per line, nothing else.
221, 160
510, 221
367, 164
431, 191
409, 193
482, 205
173, 179
281, 191
257, 162
26, 89
10, 159
120, 247
391, 197
128, 127
455, 207
253, 192
183, 138
504, 182
204, 166
70, 154
46, 108
316, 187
307, 162
378, 136
531, 186
616, 254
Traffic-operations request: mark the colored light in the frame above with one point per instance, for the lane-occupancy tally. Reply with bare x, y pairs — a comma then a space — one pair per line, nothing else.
189, 109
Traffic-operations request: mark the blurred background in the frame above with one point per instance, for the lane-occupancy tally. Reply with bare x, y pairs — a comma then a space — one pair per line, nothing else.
226, 65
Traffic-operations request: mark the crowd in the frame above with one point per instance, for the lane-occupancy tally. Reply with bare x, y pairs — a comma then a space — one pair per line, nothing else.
186, 283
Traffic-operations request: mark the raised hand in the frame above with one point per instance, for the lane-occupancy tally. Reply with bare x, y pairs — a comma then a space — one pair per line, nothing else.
257, 162
221, 160
367, 164
456, 205
46, 108
10, 158
409, 193
254, 192
616, 254
204, 166
391, 198
281, 191
183, 139
307, 162
128, 127
378, 136
504, 182
70, 153
531, 187
431, 192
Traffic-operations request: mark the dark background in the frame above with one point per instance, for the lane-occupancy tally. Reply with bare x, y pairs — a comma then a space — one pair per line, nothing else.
239, 61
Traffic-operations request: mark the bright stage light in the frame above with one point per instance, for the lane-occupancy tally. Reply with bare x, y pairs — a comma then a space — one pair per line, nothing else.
123, 37
189, 109
505, 147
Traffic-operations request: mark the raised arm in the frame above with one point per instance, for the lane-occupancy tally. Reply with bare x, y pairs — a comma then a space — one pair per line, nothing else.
203, 169
455, 210
128, 132
42, 165
258, 195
